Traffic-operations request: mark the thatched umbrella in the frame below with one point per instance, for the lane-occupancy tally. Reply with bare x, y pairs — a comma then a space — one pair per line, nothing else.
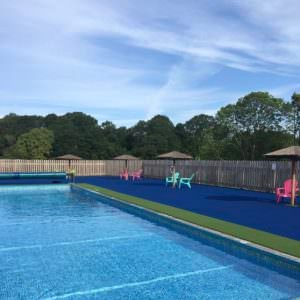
68, 157
126, 157
175, 155
292, 153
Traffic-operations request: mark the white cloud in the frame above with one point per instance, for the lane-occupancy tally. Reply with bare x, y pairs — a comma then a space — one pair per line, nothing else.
285, 91
49, 62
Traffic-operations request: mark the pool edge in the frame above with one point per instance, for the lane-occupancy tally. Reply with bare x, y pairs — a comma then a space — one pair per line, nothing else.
244, 242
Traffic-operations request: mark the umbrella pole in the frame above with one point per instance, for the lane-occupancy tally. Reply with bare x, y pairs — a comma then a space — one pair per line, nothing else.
174, 171
293, 182
126, 168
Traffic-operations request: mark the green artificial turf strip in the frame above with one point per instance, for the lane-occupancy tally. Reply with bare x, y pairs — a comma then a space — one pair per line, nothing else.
276, 242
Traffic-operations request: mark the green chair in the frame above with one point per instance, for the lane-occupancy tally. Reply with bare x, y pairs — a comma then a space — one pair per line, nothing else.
186, 181
171, 179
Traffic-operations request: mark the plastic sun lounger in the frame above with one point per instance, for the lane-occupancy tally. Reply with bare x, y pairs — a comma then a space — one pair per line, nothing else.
124, 174
173, 179
186, 181
136, 174
286, 190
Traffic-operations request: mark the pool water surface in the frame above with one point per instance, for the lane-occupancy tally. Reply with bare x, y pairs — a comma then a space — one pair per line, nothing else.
57, 243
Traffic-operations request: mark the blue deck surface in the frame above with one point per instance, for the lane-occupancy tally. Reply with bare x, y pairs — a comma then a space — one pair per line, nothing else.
253, 209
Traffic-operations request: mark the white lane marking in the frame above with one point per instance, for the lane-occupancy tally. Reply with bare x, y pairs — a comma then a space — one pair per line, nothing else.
58, 221
134, 284
120, 237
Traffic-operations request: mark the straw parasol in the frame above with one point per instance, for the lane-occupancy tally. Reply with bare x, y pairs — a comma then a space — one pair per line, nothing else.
175, 155
68, 157
292, 153
126, 157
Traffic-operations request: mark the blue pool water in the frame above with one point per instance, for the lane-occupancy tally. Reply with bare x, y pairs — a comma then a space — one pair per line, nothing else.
56, 243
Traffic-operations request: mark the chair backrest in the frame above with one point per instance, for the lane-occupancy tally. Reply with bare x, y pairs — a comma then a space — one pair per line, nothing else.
288, 186
177, 174
137, 173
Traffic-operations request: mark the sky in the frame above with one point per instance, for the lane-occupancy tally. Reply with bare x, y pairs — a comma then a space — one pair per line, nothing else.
128, 60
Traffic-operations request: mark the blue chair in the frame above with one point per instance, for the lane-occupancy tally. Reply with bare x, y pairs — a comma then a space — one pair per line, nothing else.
186, 181
173, 179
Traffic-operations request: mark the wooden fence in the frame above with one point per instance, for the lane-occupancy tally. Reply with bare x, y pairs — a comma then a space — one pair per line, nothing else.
82, 167
252, 175
20, 165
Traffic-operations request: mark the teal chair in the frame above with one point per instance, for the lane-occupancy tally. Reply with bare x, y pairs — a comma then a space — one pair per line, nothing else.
171, 179
186, 181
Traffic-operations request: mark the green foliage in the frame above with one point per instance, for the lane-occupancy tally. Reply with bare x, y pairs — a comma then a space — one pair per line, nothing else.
195, 130
256, 111
149, 139
210, 148
295, 117
257, 123
254, 116
12, 126
35, 144
74, 133
6, 141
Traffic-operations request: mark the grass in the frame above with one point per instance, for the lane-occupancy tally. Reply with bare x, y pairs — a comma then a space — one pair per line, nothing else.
272, 241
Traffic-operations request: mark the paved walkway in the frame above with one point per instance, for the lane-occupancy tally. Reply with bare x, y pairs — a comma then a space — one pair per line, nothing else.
253, 209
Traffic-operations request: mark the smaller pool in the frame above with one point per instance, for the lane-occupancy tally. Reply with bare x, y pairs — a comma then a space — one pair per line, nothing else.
58, 243
14, 178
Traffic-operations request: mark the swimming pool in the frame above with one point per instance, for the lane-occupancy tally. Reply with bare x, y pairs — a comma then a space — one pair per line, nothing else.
61, 243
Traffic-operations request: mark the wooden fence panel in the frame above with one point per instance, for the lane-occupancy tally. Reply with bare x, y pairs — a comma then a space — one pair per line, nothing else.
252, 175
114, 167
88, 167
156, 168
134, 165
22, 165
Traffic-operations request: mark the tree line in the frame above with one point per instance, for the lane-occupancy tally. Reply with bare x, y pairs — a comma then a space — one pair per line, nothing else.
256, 124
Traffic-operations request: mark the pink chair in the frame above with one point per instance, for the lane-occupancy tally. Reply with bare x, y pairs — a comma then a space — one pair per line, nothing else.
137, 174
124, 174
286, 190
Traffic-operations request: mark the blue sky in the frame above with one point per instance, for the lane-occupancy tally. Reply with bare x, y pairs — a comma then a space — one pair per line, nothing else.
128, 60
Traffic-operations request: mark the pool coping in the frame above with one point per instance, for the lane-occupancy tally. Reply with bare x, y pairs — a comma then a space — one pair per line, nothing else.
240, 241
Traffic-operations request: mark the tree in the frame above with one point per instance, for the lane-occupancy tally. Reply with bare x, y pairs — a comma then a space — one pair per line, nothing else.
156, 136
295, 114
12, 126
252, 115
257, 123
195, 129
35, 144
256, 111
6, 141
77, 133
210, 148
115, 138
